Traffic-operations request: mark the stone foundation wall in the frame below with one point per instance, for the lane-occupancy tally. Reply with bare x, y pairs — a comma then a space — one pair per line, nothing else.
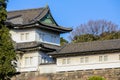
108, 74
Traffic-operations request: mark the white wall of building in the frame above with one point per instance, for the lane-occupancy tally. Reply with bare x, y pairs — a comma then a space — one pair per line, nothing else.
68, 63
28, 61
88, 62
24, 35
47, 37
50, 68
30, 35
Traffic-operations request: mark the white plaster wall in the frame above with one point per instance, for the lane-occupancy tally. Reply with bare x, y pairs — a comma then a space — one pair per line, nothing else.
50, 68
47, 36
88, 66
94, 63
16, 35
32, 67
37, 60
34, 36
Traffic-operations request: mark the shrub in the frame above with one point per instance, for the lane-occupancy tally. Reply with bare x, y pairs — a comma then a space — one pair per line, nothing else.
96, 78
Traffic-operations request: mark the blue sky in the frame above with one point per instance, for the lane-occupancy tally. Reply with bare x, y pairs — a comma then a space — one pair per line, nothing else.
72, 13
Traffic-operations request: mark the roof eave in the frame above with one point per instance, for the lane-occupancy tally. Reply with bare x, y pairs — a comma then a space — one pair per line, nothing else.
37, 47
58, 28
57, 54
40, 25
39, 17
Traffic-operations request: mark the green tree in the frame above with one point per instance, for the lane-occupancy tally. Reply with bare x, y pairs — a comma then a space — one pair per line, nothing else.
7, 52
63, 41
96, 78
108, 36
85, 38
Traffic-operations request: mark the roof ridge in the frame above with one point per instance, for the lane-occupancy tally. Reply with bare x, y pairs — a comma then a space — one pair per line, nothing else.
94, 41
62, 47
26, 9
38, 14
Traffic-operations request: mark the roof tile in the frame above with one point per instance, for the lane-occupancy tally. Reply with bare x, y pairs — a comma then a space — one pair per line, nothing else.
91, 46
28, 14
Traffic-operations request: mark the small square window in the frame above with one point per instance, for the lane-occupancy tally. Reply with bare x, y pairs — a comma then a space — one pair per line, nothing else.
28, 60
81, 60
68, 61
31, 60
105, 58
26, 36
86, 60
41, 36
22, 37
64, 61
53, 38
100, 58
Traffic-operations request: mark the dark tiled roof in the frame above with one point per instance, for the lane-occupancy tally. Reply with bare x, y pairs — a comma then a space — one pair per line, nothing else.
28, 15
45, 26
89, 47
26, 45
35, 44
31, 18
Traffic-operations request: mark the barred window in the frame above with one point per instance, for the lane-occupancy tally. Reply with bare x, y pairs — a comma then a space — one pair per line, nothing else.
24, 36
103, 58
100, 58
66, 61
29, 60
84, 59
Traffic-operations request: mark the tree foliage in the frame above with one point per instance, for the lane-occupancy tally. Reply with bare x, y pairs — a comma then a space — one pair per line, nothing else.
96, 78
7, 53
63, 41
2, 11
95, 30
85, 38
112, 35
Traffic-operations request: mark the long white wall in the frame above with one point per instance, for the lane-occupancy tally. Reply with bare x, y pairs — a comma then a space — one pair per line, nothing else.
70, 63
92, 62
50, 68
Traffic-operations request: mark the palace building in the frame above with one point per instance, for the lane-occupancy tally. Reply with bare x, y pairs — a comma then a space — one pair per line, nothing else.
36, 37
88, 56
35, 33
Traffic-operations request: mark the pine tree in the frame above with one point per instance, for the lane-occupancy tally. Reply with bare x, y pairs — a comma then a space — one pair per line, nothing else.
7, 52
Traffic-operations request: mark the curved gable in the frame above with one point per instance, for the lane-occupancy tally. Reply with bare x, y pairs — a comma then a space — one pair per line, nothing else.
48, 19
